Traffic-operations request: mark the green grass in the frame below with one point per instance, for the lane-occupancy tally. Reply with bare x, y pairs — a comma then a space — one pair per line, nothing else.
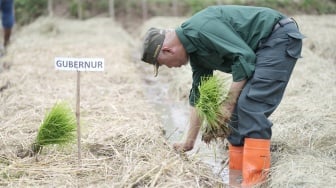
213, 92
58, 127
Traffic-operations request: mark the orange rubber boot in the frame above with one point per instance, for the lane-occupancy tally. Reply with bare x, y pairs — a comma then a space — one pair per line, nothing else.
235, 157
235, 165
256, 161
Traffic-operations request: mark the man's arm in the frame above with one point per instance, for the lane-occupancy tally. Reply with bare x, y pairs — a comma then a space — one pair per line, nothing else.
194, 127
195, 120
233, 95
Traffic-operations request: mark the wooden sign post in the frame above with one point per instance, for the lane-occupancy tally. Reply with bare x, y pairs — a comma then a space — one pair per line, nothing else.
79, 64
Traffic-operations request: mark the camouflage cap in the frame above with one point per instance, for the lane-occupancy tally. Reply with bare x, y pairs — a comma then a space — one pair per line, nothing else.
151, 47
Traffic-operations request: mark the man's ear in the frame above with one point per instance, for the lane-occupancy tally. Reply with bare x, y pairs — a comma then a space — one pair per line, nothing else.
166, 49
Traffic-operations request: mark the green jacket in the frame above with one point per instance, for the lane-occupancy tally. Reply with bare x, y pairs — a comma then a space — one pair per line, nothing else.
225, 38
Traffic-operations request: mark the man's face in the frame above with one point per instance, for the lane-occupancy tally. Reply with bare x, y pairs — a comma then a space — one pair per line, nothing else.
176, 59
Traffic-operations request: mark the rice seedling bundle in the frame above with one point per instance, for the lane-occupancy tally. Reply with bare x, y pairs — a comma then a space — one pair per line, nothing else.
58, 127
213, 92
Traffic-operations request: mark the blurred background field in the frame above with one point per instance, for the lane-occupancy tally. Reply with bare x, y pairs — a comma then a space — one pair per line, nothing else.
134, 10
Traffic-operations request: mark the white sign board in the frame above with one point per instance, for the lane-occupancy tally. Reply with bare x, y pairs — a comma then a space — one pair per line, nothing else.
79, 64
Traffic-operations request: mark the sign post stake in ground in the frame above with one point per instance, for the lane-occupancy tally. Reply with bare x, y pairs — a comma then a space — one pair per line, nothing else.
78, 119
79, 64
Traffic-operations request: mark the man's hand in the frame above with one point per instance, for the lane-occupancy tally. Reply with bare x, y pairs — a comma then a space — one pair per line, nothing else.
195, 124
227, 110
229, 105
183, 147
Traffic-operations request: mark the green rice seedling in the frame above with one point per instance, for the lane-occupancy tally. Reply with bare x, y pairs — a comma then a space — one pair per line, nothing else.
213, 92
58, 127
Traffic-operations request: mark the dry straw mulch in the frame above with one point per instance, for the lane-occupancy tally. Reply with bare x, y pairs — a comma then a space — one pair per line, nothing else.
306, 120
122, 139
123, 144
